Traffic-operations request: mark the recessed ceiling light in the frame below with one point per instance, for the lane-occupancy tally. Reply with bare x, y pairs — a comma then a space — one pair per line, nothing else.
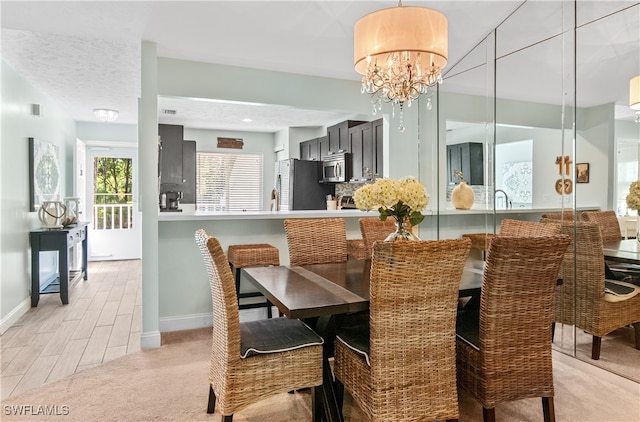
247, 120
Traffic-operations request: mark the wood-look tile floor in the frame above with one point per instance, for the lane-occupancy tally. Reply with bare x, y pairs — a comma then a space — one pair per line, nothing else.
102, 321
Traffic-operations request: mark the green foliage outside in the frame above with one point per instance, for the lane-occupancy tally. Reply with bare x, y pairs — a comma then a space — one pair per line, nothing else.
113, 184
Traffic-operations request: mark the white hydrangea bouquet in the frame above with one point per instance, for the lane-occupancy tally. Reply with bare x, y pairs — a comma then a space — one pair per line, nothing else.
402, 199
633, 199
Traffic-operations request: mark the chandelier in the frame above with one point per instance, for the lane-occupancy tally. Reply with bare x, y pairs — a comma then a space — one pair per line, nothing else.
634, 96
400, 52
105, 114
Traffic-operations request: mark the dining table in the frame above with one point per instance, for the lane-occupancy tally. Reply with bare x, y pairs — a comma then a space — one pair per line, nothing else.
624, 251
322, 295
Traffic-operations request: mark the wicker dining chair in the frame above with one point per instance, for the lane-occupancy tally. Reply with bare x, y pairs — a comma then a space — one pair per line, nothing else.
608, 223
316, 241
401, 366
374, 229
521, 228
504, 350
567, 215
251, 361
582, 299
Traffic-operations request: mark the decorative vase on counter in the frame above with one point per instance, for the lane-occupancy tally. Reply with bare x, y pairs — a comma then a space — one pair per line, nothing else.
401, 233
462, 196
51, 214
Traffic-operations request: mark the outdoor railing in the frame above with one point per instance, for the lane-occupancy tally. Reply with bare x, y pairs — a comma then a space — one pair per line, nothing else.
113, 216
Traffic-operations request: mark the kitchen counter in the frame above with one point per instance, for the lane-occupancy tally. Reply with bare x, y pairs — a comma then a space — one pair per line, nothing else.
351, 213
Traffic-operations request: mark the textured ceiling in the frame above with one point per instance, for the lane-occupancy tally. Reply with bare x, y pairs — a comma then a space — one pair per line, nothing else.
86, 54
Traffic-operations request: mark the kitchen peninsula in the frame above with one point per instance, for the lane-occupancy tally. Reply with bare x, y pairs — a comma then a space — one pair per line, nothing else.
184, 296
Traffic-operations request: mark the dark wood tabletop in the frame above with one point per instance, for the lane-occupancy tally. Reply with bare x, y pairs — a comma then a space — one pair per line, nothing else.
327, 289
627, 250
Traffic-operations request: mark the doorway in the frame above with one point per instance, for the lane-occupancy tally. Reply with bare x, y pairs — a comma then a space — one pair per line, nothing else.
112, 206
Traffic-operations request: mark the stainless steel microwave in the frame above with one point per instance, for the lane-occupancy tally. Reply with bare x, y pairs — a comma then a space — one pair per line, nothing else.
336, 168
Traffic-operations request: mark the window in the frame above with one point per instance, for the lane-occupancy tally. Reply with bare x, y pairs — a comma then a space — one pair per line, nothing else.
228, 182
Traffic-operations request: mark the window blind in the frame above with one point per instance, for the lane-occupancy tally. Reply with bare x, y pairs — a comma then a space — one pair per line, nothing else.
228, 182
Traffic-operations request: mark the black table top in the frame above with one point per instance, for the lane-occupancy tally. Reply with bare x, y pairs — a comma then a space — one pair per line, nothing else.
327, 289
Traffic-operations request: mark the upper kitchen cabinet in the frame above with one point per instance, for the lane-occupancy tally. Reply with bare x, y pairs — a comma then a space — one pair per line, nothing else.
171, 137
177, 162
189, 172
339, 135
323, 147
468, 158
365, 144
310, 150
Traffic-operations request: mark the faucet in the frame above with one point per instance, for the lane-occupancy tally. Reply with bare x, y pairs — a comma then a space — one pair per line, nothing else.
507, 204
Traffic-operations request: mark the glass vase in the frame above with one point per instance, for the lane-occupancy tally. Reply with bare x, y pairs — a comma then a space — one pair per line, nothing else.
401, 233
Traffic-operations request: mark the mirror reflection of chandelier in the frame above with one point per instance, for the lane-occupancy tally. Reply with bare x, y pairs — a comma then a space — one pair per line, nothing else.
634, 96
400, 52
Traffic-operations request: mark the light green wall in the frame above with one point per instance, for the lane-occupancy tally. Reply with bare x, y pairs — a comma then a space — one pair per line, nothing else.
108, 132
18, 125
148, 169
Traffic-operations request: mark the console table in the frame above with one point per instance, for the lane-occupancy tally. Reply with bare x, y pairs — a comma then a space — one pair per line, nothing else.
60, 240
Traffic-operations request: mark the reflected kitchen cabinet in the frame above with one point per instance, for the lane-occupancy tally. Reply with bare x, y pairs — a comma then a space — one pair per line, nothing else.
468, 158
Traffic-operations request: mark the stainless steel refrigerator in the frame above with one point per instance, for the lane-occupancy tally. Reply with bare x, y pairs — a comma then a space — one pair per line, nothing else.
298, 187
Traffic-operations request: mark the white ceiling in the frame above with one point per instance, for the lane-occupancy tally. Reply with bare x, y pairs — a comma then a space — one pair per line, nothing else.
86, 54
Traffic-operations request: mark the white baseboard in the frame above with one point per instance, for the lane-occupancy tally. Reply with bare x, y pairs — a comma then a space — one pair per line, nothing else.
150, 340
192, 322
15, 314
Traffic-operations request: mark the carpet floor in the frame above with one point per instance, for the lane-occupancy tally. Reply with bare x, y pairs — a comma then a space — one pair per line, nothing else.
170, 384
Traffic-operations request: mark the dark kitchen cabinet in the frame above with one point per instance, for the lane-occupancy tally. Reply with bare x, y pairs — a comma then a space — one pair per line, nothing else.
189, 172
339, 135
377, 134
323, 146
468, 158
177, 163
310, 150
365, 142
171, 137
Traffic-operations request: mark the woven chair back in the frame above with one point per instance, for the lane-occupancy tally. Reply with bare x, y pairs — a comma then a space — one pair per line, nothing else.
373, 229
414, 294
316, 241
226, 320
521, 228
568, 215
516, 312
608, 222
582, 272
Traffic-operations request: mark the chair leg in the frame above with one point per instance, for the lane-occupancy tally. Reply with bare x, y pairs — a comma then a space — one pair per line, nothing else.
636, 327
228, 418
489, 415
339, 392
316, 404
553, 330
211, 407
595, 347
269, 305
548, 409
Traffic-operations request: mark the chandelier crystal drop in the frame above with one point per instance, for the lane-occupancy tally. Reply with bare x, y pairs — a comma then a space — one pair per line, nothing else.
400, 52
